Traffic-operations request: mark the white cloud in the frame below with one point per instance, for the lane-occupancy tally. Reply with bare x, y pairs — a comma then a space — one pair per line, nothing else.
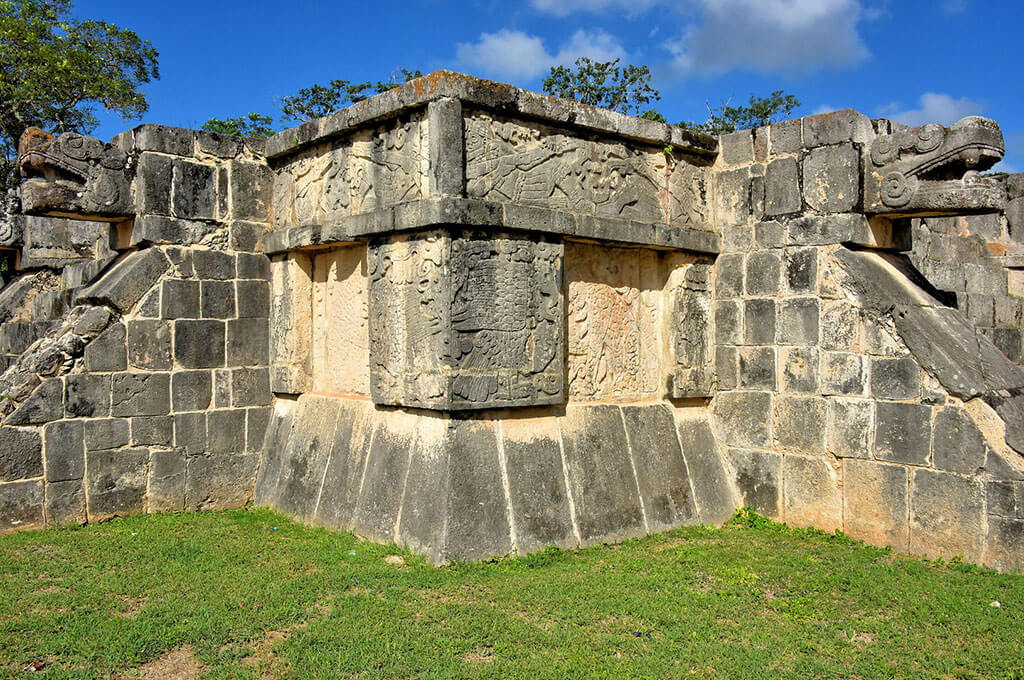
824, 108
935, 108
520, 56
563, 8
771, 36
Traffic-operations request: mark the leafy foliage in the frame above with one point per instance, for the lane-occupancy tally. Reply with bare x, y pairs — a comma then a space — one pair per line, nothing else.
251, 125
57, 70
319, 100
760, 111
626, 89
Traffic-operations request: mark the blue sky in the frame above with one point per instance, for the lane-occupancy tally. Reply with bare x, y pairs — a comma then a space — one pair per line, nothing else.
910, 60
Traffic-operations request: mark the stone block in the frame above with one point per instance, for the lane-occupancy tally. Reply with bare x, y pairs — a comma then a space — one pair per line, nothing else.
46, 403
116, 483
217, 300
251, 187
65, 503
226, 431
219, 481
957, 443
782, 187
21, 505
836, 127
21, 453
1009, 341
149, 344
250, 387
813, 493
180, 299
213, 264
478, 522
152, 431
194, 190
64, 450
799, 369
131, 278
248, 342
538, 495
253, 266
447, 146
763, 273
733, 200
798, 321
875, 503
246, 236
714, 497
253, 299
759, 321
801, 268
895, 378
190, 432
757, 368
742, 418
601, 479
256, 422
191, 390
661, 473
728, 323
799, 423
785, 136
758, 479
849, 428
831, 178
222, 388
1005, 537
769, 234
199, 343
727, 367
840, 326
380, 501
737, 148
344, 473
903, 432
1001, 498
729, 270
162, 139
816, 230
140, 394
425, 505
161, 230
947, 515
87, 395
153, 184
222, 146
106, 433
107, 352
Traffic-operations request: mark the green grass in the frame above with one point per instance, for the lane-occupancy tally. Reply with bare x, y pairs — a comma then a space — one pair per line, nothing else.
254, 595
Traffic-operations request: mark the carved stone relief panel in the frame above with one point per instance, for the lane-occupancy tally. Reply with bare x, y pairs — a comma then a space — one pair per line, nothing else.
465, 320
689, 293
359, 173
340, 319
523, 162
614, 326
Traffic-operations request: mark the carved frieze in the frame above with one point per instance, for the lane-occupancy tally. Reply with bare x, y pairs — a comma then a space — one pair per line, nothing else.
519, 162
367, 170
465, 320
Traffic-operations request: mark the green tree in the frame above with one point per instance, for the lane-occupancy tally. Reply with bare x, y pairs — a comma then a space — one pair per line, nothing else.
626, 89
760, 111
57, 70
318, 100
251, 125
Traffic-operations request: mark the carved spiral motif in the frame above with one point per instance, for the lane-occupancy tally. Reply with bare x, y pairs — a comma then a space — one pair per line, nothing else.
75, 146
896, 190
929, 137
885, 149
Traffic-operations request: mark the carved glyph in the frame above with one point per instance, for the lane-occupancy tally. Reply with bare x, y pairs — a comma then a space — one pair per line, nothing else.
531, 163
465, 320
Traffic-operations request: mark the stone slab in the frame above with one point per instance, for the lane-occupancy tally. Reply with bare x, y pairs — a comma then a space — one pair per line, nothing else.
661, 472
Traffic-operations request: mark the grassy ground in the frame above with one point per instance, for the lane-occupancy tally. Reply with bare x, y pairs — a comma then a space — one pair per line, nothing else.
249, 594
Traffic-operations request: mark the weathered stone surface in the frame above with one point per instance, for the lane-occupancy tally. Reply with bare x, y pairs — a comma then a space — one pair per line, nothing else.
728, 322
758, 478
253, 299
219, 480
140, 394
257, 421
849, 428
149, 344
757, 367
87, 395
251, 191
782, 187
813, 495
836, 127
825, 229
798, 423
661, 473
946, 515
107, 352
226, 431
763, 273
130, 279
539, 498
1005, 536
957, 444
729, 272
801, 267
45, 404
713, 493
798, 321
191, 390
64, 503
743, 418
152, 431
248, 342
64, 450
116, 482
21, 453
799, 369
831, 178
199, 344
106, 433
602, 483
380, 498
842, 373
343, 475
875, 503
903, 432
898, 378
21, 505
217, 300
759, 315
